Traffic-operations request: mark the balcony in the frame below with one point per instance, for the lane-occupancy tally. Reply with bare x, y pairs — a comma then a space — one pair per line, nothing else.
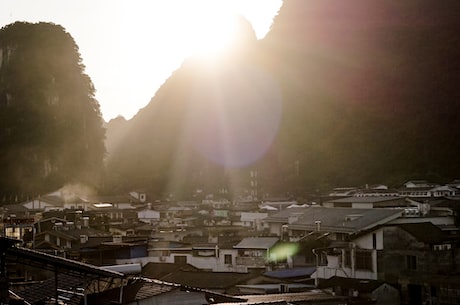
250, 261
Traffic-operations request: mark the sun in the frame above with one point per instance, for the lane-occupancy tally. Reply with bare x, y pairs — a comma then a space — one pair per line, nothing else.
210, 27
210, 34
155, 37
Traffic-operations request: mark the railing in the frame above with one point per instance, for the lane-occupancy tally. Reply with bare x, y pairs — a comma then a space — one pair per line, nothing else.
251, 261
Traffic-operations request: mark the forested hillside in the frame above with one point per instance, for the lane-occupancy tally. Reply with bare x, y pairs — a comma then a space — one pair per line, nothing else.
371, 88
162, 148
337, 94
369, 94
50, 124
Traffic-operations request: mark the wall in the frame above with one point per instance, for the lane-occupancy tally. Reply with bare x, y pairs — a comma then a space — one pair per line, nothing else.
399, 244
366, 241
362, 205
215, 264
275, 228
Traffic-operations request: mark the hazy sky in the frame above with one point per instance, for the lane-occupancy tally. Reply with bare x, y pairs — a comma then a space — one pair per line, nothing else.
131, 47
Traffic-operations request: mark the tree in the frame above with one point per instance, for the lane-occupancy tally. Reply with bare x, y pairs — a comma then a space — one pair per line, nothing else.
50, 123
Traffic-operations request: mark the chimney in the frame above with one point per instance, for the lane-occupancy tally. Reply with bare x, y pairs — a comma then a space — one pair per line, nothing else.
85, 222
284, 233
83, 239
318, 225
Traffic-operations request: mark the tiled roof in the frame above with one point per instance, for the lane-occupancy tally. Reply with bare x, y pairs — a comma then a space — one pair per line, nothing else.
46, 245
365, 199
228, 242
112, 199
93, 241
416, 189
145, 227
425, 232
160, 270
257, 243
380, 191
17, 207
60, 234
74, 234
87, 231
192, 239
417, 181
52, 199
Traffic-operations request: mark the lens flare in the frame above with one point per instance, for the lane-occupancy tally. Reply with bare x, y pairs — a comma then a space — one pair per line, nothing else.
282, 251
235, 115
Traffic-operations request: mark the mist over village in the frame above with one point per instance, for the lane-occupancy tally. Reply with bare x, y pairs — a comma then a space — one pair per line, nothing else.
318, 164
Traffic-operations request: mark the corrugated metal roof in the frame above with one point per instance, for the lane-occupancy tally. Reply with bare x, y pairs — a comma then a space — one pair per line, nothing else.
208, 280
288, 298
291, 272
283, 215
41, 291
343, 220
139, 289
51, 262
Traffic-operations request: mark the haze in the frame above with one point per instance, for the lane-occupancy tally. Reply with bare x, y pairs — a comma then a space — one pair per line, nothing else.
130, 48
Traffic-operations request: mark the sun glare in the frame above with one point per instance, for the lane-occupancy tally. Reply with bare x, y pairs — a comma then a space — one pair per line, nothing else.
157, 36
209, 27
211, 34
131, 47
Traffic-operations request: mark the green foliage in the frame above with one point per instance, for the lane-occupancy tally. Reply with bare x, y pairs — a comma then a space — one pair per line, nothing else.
50, 123
368, 98
370, 95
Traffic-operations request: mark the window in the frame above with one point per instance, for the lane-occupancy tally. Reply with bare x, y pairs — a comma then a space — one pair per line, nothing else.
442, 247
364, 260
181, 260
411, 262
347, 258
322, 259
228, 259
374, 241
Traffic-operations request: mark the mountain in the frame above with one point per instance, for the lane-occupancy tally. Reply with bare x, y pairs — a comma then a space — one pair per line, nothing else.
50, 123
375, 86
337, 93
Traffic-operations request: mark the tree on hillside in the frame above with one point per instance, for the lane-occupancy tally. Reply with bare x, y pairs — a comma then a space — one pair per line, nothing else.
160, 150
370, 90
50, 123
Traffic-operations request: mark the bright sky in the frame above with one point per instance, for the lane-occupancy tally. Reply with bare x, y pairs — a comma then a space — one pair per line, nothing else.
130, 47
